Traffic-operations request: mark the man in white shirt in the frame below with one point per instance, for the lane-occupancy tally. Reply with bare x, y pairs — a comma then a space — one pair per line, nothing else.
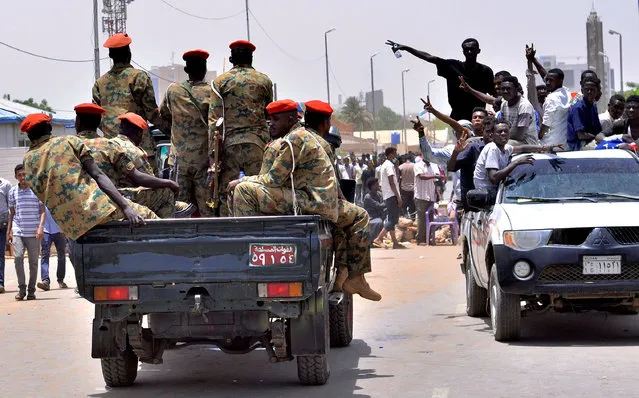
492, 165
390, 193
616, 107
5, 187
519, 113
556, 107
425, 195
357, 176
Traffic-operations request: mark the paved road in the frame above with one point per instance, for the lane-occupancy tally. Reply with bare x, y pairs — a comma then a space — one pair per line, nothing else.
417, 342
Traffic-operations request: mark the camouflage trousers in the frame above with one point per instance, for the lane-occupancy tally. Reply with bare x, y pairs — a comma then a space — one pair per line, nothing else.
118, 214
193, 187
253, 199
160, 201
236, 158
351, 239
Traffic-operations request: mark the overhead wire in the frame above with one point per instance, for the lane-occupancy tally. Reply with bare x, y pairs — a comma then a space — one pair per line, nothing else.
330, 68
201, 17
48, 58
151, 73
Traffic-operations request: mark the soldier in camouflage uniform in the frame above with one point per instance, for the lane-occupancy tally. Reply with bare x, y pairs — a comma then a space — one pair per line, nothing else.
185, 108
62, 174
245, 94
87, 120
126, 89
351, 238
295, 150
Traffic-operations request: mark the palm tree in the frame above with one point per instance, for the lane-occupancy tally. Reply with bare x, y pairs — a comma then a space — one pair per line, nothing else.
356, 114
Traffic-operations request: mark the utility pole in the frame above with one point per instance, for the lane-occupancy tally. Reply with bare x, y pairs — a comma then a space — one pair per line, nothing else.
248, 28
373, 100
328, 85
404, 109
96, 48
613, 32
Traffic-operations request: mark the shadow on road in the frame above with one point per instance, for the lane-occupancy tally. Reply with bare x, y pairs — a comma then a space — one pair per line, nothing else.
203, 370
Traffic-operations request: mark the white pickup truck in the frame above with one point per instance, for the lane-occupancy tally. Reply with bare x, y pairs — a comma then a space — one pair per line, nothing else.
563, 235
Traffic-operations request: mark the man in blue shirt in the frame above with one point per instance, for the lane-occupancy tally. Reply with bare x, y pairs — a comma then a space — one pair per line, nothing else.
52, 235
583, 118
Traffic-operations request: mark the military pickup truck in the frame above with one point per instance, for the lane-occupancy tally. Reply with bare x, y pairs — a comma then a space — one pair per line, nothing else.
237, 283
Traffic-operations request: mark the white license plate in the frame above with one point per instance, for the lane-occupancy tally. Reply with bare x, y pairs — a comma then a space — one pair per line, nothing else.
602, 265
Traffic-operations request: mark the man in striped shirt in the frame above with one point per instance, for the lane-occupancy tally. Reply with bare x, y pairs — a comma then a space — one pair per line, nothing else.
26, 229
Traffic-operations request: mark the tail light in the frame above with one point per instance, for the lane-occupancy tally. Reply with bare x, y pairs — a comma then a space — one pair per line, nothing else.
115, 293
283, 289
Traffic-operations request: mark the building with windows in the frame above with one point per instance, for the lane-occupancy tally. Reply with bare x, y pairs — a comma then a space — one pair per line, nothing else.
13, 113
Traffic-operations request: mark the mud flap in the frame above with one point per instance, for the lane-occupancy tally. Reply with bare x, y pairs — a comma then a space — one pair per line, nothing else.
310, 331
107, 338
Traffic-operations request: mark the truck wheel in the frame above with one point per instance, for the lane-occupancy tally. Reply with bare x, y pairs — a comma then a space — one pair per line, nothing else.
313, 370
120, 371
342, 322
505, 311
476, 296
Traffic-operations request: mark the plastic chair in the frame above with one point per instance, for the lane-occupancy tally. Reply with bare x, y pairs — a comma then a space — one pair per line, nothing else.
431, 226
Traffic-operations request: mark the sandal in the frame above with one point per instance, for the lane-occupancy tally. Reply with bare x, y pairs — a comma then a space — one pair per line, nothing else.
379, 245
20, 296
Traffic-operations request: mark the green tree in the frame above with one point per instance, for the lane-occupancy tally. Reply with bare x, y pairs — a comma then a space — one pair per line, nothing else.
633, 89
44, 104
356, 114
387, 119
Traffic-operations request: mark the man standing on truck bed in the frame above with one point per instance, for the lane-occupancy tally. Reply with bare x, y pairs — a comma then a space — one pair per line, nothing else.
62, 174
297, 175
352, 229
124, 164
244, 93
126, 89
186, 108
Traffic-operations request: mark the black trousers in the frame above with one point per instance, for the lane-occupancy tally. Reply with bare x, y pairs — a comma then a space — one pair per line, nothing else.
408, 205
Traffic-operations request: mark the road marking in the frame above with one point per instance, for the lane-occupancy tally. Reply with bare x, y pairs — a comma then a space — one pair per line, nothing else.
441, 392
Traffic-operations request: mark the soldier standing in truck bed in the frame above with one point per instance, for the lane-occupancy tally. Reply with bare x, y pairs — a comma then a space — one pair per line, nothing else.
126, 89
244, 93
185, 108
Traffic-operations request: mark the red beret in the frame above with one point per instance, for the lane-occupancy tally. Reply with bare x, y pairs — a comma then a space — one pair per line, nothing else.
32, 120
317, 106
89, 109
134, 119
286, 105
196, 54
242, 44
118, 40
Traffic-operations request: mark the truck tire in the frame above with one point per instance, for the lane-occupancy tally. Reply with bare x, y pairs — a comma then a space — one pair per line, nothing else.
342, 322
120, 371
313, 370
505, 311
476, 296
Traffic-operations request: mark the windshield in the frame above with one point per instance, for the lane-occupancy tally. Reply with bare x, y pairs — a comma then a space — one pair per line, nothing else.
573, 178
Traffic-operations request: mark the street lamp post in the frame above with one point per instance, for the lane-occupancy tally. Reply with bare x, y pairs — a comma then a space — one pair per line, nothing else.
373, 100
404, 109
328, 86
428, 90
613, 32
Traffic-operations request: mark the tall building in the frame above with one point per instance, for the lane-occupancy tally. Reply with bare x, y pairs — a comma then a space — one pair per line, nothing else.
572, 73
379, 101
594, 43
163, 76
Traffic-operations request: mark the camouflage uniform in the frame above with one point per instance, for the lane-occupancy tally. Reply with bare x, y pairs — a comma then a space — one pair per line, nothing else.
88, 134
117, 161
126, 89
55, 173
351, 238
185, 108
269, 193
246, 93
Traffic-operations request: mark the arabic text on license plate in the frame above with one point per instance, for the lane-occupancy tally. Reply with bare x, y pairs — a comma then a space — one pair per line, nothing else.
263, 255
602, 265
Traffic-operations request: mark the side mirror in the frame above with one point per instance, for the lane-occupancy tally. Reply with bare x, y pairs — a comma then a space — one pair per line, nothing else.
478, 199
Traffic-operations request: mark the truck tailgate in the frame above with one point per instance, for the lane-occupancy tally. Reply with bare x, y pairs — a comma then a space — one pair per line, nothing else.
198, 251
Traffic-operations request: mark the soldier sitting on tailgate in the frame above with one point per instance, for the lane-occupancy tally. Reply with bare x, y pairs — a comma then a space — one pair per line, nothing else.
62, 174
125, 167
351, 239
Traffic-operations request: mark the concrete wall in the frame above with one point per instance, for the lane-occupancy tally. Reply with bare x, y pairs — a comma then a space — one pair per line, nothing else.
9, 158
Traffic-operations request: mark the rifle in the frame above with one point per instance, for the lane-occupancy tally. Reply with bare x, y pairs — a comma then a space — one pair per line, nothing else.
217, 140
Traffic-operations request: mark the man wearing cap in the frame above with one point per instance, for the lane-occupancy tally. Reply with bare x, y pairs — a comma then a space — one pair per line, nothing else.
62, 174
244, 93
294, 152
186, 107
87, 120
351, 239
122, 161
126, 89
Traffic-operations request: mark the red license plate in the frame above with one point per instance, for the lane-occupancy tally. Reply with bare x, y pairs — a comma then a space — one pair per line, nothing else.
264, 255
